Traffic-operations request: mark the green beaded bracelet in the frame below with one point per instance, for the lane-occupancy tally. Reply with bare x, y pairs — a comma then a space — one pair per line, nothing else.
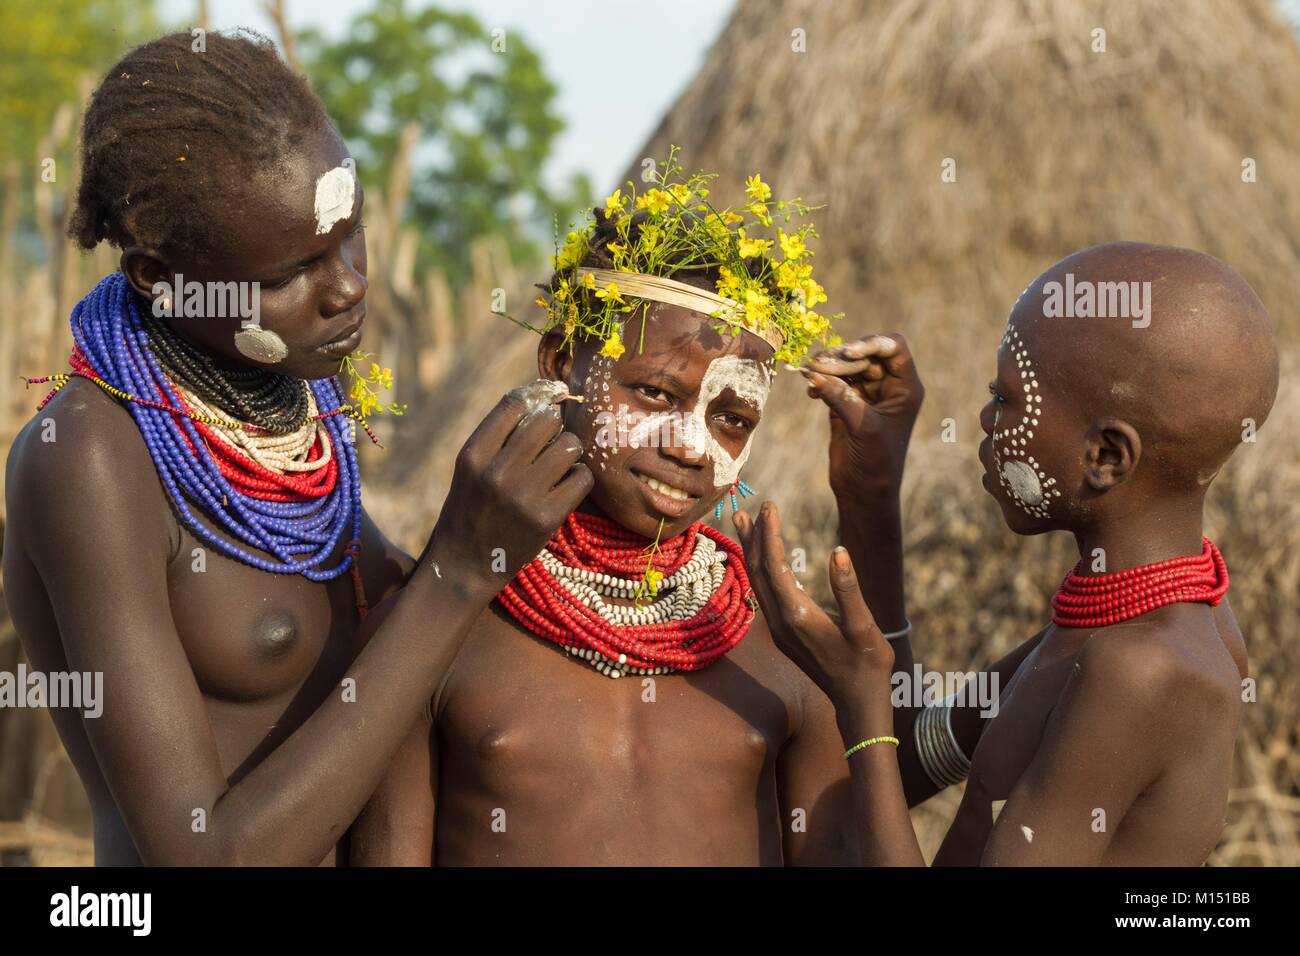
867, 743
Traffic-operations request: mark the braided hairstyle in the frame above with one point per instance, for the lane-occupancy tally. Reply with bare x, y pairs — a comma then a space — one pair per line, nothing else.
167, 123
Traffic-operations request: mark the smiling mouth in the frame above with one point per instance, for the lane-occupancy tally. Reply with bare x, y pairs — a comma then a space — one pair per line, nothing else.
667, 498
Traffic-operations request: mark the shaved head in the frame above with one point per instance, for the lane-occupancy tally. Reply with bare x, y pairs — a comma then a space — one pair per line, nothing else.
1154, 356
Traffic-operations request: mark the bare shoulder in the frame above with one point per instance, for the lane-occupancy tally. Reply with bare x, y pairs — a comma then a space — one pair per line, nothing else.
1169, 667
81, 460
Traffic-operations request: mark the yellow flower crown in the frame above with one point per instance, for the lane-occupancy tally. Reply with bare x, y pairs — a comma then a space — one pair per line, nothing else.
677, 230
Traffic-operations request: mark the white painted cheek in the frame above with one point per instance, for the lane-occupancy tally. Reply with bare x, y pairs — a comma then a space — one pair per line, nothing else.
1019, 471
335, 194
751, 382
260, 345
1023, 481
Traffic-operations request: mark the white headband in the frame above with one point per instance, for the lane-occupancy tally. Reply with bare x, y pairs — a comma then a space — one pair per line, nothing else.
672, 292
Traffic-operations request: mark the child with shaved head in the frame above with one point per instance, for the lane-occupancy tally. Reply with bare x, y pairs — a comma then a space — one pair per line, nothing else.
1127, 375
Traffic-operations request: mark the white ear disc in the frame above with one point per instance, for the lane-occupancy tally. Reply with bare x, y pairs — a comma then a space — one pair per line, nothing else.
1023, 481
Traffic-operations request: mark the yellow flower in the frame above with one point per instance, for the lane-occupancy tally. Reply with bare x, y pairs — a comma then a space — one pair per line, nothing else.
757, 307
812, 292
680, 192
609, 293
589, 281
542, 302
614, 203
760, 210
617, 248
613, 347
753, 247
652, 579
792, 247
575, 249
756, 189
656, 201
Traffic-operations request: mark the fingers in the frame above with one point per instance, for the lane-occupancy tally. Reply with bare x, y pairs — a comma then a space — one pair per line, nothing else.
534, 433
878, 347
839, 395
571, 490
786, 596
885, 352
855, 616
556, 459
495, 428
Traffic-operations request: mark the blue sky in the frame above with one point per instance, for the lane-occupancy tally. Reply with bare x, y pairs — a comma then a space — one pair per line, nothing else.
599, 142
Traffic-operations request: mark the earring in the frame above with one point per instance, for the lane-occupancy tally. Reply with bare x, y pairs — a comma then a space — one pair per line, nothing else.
739, 487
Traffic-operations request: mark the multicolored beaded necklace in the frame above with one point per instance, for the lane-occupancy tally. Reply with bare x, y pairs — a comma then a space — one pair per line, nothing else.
298, 514
1105, 599
704, 606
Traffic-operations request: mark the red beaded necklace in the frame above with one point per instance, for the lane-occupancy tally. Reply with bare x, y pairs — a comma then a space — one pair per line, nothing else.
549, 610
1105, 599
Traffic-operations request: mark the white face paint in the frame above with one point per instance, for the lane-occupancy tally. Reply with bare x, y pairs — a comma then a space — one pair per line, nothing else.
751, 381
335, 194
260, 345
1018, 471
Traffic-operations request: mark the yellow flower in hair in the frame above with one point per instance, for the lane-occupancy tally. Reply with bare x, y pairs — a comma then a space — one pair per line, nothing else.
613, 347
812, 292
757, 307
614, 203
752, 247
756, 189
609, 293
574, 251
792, 247
656, 201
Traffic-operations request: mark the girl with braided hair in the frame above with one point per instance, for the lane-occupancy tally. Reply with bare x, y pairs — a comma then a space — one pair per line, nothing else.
185, 510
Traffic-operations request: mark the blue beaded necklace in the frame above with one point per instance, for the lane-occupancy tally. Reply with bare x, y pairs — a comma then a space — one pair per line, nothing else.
107, 328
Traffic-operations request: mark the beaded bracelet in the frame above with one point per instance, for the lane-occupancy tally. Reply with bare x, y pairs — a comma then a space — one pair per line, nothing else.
867, 743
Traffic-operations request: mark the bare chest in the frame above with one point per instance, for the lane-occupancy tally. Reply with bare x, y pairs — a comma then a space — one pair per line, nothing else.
253, 636
517, 707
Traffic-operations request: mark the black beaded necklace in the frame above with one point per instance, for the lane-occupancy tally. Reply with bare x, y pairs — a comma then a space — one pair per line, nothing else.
274, 402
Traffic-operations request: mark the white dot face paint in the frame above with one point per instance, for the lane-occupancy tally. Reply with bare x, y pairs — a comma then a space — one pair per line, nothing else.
336, 193
1019, 472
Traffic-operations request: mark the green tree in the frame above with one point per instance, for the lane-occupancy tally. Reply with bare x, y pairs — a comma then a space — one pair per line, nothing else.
483, 106
47, 50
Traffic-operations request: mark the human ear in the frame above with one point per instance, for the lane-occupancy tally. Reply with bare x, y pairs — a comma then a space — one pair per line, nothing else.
554, 358
144, 268
1113, 448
